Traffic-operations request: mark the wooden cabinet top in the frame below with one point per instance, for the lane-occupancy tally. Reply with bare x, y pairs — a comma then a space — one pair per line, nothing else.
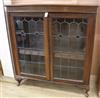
51, 8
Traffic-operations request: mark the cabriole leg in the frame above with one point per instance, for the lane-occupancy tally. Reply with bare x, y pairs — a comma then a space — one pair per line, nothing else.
19, 80
87, 91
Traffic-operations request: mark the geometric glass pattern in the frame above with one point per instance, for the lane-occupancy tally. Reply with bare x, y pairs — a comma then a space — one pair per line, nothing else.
69, 36
30, 44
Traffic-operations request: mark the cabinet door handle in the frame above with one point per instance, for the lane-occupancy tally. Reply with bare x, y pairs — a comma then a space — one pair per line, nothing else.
46, 14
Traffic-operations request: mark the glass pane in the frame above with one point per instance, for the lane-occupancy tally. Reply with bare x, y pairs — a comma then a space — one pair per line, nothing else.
30, 43
68, 69
33, 64
69, 36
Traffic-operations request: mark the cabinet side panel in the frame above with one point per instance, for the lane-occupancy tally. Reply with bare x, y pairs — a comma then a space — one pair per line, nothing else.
90, 44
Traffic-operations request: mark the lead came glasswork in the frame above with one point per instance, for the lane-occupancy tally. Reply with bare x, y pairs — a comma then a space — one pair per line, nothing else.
69, 36
30, 43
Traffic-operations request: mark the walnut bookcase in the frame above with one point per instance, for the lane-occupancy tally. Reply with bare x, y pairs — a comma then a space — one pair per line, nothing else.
52, 42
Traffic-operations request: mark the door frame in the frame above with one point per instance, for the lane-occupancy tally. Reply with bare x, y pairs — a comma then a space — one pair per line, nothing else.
88, 43
16, 67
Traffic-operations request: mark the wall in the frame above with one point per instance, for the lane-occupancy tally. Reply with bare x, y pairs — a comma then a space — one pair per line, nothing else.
5, 56
87, 2
72, 2
4, 46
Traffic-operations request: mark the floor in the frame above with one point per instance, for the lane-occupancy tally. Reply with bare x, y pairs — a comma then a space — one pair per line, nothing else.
34, 89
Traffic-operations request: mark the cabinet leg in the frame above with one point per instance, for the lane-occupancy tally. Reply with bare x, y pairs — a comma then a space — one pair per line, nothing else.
87, 92
85, 89
19, 80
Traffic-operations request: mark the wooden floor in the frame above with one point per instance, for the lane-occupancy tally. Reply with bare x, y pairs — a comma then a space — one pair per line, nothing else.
34, 89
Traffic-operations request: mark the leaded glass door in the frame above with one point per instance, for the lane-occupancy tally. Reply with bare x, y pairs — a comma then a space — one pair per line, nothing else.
68, 33
29, 33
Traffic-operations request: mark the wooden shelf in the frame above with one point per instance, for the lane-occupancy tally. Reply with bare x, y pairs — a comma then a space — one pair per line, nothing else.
65, 55
69, 67
70, 55
31, 52
31, 62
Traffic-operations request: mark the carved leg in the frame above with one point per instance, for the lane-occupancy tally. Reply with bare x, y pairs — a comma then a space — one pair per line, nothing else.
86, 92
19, 81
85, 88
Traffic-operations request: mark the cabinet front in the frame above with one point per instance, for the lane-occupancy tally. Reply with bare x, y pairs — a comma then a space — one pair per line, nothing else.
56, 47
68, 33
29, 34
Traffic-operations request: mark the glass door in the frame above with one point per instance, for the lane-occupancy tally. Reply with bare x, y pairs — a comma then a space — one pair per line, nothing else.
68, 33
30, 46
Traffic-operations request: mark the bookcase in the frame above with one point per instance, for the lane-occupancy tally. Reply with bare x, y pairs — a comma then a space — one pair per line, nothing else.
52, 42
